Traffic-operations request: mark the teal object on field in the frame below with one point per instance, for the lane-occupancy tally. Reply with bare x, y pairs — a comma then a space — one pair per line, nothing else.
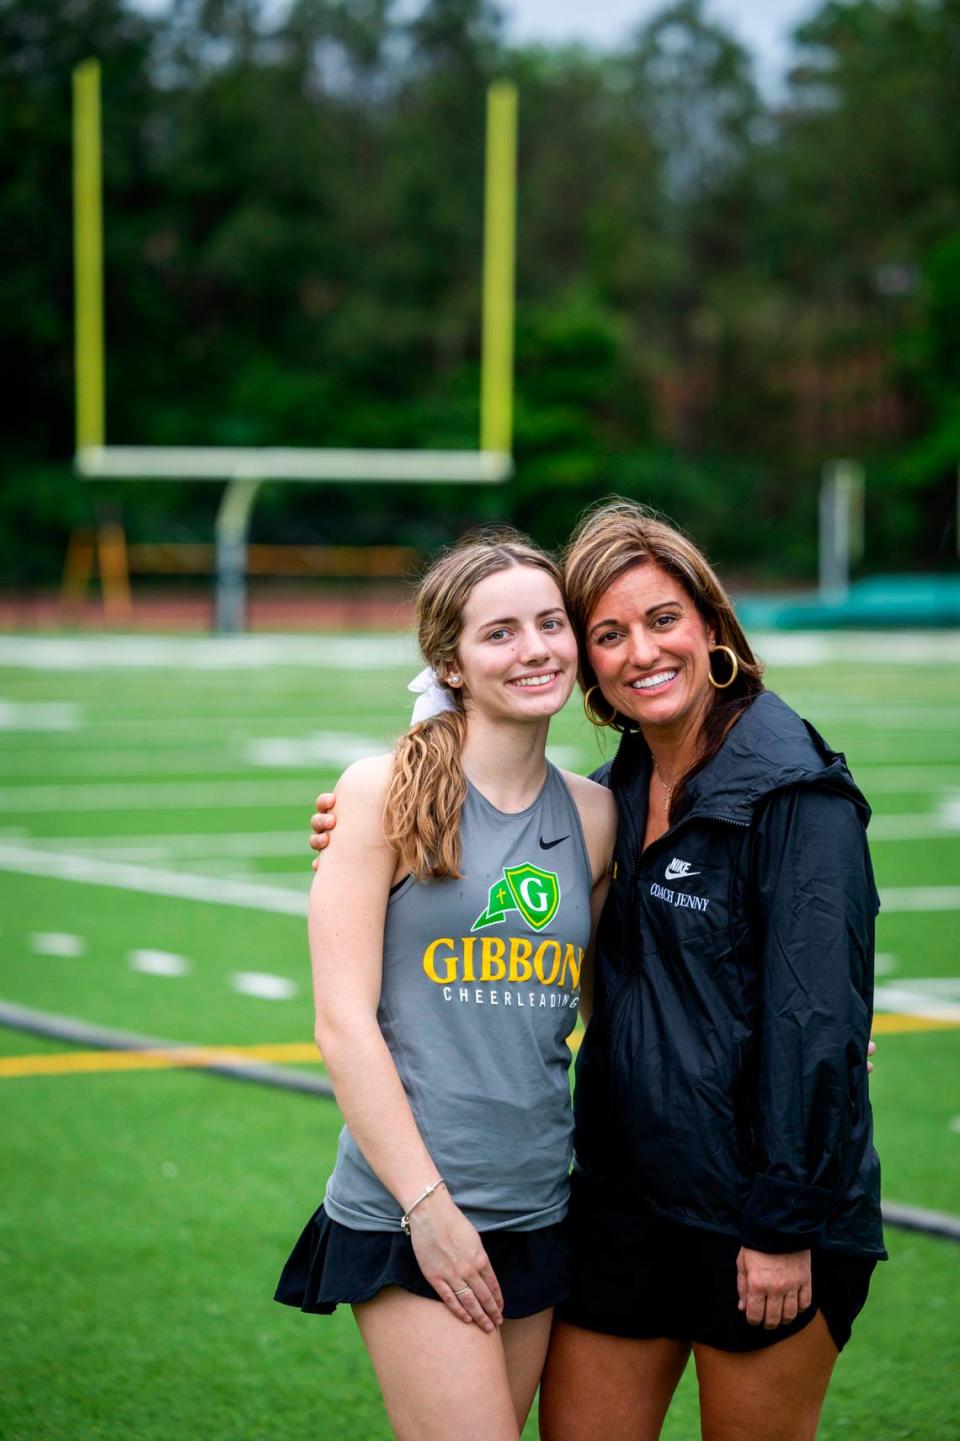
880, 602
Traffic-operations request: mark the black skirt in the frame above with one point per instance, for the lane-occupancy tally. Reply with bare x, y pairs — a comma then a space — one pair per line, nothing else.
333, 1265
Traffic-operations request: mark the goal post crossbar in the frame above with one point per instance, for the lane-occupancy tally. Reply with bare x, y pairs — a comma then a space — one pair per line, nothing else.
287, 463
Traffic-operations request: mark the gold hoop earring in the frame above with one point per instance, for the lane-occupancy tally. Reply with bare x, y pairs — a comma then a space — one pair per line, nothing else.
591, 715
734, 668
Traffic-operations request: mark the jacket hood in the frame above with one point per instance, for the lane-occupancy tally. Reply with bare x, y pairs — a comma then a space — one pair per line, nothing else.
769, 748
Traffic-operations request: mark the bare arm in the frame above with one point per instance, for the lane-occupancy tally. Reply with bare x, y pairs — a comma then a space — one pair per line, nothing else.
348, 903
598, 898
598, 817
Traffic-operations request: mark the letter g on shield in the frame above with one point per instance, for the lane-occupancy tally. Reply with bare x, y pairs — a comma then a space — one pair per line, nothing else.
536, 892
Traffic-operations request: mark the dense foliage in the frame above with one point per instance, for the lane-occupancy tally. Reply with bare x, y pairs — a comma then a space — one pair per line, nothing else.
718, 289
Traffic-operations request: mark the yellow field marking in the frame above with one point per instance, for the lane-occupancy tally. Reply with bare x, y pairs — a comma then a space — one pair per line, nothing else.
893, 1024
72, 1063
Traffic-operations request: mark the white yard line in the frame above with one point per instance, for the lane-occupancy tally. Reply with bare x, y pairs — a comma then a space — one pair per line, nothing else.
934, 778
205, 730
57, 943
942, 824
242, 844
911, 828
869, 647
206, 653
907, 999
321, 748
230, 753
158, 963
39, 716
862, 712
376, 652
264, 985
254, 845
920, 898
223, 759
89, 870
155, 795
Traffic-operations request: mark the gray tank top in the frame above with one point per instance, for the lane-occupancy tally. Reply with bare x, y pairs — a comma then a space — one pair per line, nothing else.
481, 982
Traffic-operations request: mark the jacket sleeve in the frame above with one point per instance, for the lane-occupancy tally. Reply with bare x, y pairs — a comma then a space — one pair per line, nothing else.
816, 903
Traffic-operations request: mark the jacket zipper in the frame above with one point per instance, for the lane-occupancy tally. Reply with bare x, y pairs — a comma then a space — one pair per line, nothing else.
638, 855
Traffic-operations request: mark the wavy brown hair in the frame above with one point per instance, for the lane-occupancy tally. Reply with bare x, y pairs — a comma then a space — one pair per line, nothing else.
427, 788
613, 537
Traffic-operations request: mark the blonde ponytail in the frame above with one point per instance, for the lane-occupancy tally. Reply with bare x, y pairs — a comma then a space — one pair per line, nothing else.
421, 814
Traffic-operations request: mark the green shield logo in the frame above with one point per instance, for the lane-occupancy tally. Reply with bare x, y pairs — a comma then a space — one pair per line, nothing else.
536, 892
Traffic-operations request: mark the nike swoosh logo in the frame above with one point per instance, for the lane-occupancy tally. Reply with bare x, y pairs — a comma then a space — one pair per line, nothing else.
679, 872
549, 845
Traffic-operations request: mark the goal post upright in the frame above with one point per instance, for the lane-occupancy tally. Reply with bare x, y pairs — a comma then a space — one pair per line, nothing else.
88, 257
499, 266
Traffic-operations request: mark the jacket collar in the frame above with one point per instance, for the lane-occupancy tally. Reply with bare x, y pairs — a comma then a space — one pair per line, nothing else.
769, 748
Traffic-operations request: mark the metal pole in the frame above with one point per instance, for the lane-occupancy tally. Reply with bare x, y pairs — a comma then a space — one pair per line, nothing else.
231, 528
841, 526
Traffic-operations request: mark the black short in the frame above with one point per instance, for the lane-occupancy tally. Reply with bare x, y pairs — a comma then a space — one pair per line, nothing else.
637, 1274
332, 1265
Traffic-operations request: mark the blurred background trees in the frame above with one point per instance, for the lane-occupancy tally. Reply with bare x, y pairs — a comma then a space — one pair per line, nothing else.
717, 289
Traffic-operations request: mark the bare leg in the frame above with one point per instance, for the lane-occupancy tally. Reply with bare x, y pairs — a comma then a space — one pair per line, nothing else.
441, 1378
771, 1395
607, 1388
525, 1348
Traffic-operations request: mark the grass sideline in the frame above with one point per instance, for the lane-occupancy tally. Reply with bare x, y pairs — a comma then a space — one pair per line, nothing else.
145, 1215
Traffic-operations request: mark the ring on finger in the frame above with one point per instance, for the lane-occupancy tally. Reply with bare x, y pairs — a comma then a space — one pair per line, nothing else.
463, 1291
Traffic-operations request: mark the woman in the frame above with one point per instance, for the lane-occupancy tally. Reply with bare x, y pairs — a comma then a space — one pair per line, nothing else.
726, 1190
448, 930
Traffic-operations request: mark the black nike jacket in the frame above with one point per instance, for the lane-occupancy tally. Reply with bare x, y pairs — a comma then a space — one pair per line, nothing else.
722, 1078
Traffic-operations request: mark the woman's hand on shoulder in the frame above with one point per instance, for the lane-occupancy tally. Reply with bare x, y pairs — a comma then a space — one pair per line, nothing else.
322, 822
450, 1254
371, 773
358, 799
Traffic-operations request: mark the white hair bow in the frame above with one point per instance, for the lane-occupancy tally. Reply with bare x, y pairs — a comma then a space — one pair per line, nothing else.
433, 698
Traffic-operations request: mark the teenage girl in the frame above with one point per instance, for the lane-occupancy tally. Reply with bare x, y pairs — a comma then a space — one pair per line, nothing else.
449, 931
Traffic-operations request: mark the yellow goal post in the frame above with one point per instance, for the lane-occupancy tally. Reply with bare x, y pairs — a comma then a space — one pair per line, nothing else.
244, 469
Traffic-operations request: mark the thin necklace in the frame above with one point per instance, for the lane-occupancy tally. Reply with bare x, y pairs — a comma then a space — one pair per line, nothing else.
669, 790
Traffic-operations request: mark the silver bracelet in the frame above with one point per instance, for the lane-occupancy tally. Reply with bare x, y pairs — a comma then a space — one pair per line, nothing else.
405, 1218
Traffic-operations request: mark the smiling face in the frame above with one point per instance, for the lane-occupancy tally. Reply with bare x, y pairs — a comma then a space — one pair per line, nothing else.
649, 648
517, 653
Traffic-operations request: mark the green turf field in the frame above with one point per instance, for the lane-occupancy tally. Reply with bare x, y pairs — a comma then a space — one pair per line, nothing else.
154, 801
